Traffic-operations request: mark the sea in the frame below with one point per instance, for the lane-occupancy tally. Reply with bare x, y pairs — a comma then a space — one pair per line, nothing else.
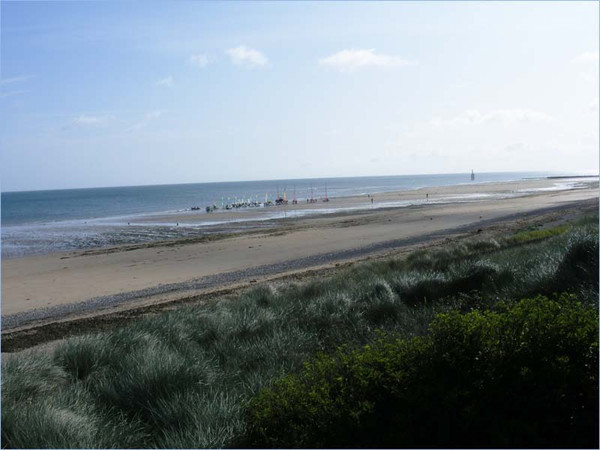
39, 222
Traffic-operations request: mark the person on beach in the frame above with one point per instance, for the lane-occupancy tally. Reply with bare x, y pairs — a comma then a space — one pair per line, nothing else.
371, 200
427, 197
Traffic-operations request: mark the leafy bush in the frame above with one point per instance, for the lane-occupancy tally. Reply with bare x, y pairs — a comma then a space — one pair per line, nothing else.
522, 376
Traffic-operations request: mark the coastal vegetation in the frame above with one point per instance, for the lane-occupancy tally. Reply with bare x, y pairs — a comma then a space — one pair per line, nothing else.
486, 342
520, 376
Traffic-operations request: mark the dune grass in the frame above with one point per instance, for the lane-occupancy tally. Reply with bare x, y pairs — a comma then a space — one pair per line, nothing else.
533, 235
182, 379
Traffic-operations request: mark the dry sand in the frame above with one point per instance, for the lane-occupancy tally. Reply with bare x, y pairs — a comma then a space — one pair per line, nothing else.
62, 278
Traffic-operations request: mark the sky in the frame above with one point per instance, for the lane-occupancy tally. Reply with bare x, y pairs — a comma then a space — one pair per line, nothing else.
133, 93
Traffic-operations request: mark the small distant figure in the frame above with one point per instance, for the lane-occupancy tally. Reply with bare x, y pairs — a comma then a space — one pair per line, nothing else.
177, 223
427, 197
371, 200
128, 223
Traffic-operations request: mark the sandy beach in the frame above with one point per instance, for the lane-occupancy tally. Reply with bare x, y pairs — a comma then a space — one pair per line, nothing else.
464, 193
38, 283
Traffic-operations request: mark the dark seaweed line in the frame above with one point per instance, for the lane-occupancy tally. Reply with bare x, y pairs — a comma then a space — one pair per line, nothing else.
99, 303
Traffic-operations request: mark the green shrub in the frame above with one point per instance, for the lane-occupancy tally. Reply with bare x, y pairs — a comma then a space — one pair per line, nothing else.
522, 376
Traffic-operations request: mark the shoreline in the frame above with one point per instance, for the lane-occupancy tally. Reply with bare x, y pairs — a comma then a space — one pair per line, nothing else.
81, 235
415, 196
42, 281
39, 327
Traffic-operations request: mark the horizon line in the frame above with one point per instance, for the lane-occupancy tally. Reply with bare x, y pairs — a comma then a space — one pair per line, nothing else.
578, 174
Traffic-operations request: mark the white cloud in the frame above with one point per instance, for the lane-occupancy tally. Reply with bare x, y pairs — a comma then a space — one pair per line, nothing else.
90, 120
142, 124
136, 127
166, 82
11, 93
6, 81
153, 114
348, 60
87, 121
588, 77
474, 117
245, 56
491, 140
586, 57
517, 147
199, 60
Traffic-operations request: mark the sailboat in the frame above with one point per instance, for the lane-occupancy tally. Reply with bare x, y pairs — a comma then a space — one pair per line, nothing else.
312, 197
326, 199
294, 201
267, 201
278, 200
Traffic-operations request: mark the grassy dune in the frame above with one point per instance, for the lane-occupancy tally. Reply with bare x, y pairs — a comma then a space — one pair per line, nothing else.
185, 378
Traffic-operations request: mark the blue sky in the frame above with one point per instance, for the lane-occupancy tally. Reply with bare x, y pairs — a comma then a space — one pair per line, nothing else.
129, 93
